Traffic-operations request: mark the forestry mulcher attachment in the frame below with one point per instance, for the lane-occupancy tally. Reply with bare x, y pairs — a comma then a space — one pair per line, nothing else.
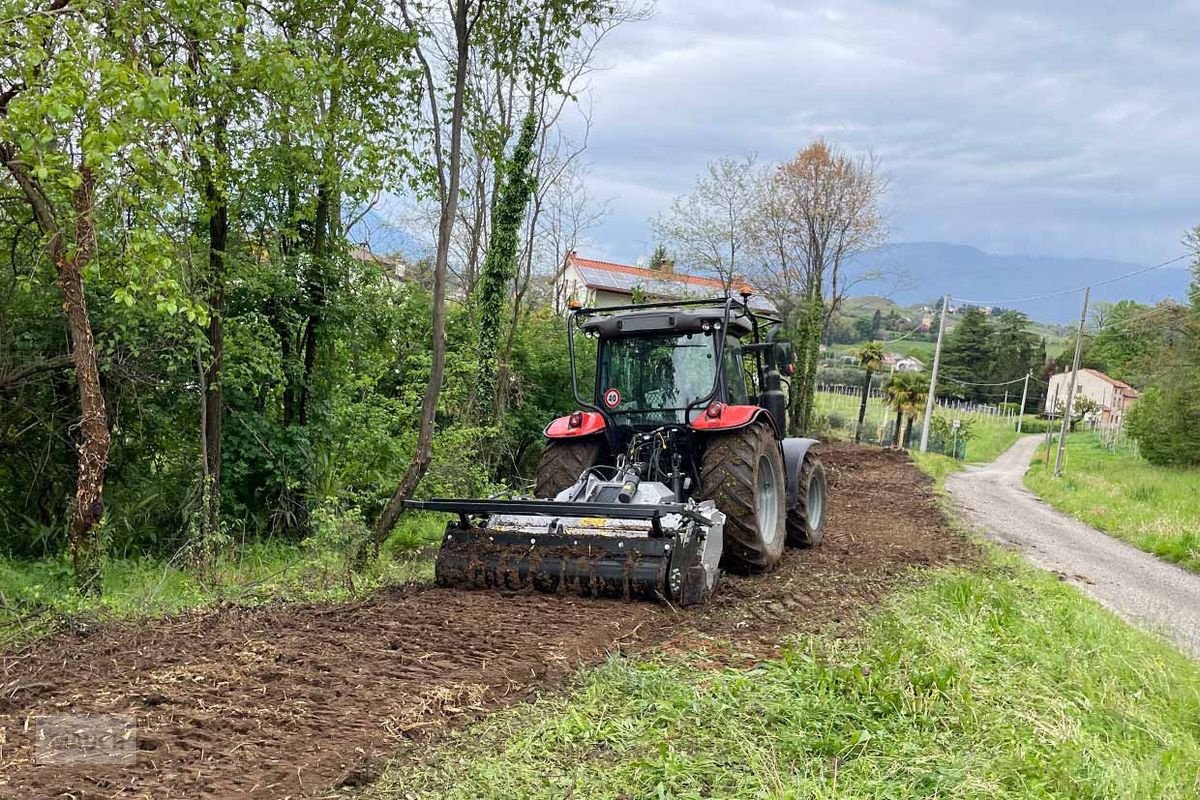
676, 467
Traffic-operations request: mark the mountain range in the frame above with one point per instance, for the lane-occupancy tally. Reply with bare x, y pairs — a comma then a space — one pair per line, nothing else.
920, 272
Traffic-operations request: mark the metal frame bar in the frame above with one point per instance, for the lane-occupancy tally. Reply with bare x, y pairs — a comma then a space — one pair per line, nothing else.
554, 508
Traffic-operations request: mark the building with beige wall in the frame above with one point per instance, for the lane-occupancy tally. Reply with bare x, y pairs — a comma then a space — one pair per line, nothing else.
1113, 397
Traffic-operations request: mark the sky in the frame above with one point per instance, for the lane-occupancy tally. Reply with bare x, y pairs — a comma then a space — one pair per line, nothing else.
1064, 128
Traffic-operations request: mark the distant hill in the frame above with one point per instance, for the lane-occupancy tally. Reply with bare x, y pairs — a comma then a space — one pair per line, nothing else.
919, 272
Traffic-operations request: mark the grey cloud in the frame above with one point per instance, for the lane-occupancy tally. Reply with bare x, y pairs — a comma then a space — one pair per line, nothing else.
1066, 129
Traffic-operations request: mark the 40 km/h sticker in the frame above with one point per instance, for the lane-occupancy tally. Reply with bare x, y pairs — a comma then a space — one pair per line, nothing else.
612, 398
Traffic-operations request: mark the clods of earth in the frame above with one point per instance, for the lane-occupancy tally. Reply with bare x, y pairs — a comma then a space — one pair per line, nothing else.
291, 701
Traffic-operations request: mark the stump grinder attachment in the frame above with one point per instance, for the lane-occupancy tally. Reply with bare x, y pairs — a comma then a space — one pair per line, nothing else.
605, 538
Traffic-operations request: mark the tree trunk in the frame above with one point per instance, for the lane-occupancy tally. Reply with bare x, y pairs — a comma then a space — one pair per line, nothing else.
316, 300
448, 191
907, 430
87, 509
213, 411
899, 426
862, 408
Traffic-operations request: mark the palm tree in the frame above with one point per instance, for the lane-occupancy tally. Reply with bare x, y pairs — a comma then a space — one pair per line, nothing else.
906, 392
870, 358
918, 391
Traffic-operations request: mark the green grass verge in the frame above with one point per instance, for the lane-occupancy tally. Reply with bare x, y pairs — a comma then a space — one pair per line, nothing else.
1156, 509
989, 440
936, 466
1000, 683
35, 596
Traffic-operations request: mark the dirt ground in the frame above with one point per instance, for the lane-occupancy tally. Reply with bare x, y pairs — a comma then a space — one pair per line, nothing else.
292, 701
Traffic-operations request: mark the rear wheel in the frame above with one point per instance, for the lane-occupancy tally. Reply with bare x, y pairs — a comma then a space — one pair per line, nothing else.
563, 461
806, 520
742, 472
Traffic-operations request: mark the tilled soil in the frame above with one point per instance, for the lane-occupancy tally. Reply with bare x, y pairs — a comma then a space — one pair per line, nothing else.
290, 701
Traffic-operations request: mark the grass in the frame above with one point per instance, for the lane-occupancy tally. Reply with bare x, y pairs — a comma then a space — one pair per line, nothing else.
990, 439
1156, 509
990, 435
37, 596
1000, 683
936, 466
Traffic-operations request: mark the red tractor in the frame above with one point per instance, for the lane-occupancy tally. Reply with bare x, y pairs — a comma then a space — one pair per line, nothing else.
675, 467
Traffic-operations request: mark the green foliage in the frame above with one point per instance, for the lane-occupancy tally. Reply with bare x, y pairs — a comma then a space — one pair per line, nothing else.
1004, 683
966, 357
1165, 421
1152, 507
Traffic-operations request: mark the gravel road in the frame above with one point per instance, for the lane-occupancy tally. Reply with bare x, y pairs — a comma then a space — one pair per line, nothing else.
1136, 585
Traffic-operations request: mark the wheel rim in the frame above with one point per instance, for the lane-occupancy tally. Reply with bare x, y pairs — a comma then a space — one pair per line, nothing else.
816, 503
767, 501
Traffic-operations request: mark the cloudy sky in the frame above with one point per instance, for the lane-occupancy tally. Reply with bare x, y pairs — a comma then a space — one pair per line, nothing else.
1067, 128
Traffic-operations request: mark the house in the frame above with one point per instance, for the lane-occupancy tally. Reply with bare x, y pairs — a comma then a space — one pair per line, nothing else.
1111, 396
604, 283
898, 362
393, 268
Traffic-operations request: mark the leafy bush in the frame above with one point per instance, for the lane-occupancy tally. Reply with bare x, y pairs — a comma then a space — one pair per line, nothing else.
1165, 421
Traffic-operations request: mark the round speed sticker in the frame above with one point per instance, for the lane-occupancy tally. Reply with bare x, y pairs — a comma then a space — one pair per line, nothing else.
612, 398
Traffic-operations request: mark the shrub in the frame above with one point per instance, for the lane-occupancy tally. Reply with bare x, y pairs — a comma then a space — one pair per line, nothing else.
1165, 421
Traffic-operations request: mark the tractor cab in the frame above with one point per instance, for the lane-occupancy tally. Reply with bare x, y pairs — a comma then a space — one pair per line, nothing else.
656, 367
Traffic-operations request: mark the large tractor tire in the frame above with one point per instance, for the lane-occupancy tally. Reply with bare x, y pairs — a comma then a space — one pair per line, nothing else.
563, 461
742, 472
806, 519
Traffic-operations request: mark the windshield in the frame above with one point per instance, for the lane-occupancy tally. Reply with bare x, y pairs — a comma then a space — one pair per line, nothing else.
654, 378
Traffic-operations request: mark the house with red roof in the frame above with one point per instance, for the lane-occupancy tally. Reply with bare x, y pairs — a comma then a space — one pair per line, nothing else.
1111, 396
597, 283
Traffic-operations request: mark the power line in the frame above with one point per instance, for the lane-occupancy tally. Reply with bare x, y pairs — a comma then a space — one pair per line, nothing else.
1061, 292
967, 383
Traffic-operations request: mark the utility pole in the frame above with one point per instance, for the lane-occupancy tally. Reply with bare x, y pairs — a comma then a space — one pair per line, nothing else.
1024, 395
1050, 406
937, 360
1062, 434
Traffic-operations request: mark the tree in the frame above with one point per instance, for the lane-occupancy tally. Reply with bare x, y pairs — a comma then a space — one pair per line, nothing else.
967, 357
1165, 420
658, 259
813, 214
448, 168
84, 121
906, 393
500, 265
711, 227
870, 358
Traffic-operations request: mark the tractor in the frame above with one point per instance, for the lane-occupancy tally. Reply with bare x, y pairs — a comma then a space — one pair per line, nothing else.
675, 467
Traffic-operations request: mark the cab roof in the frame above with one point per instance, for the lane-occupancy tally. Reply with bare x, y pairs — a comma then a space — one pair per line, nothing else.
665, 321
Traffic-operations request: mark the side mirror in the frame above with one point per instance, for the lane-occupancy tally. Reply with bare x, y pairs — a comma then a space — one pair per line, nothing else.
783, 353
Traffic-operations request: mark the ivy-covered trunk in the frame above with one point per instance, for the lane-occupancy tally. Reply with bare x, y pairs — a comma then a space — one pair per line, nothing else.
808, 344
500, 264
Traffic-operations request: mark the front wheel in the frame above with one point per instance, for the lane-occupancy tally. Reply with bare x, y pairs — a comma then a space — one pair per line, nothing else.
806, 519
742, 473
